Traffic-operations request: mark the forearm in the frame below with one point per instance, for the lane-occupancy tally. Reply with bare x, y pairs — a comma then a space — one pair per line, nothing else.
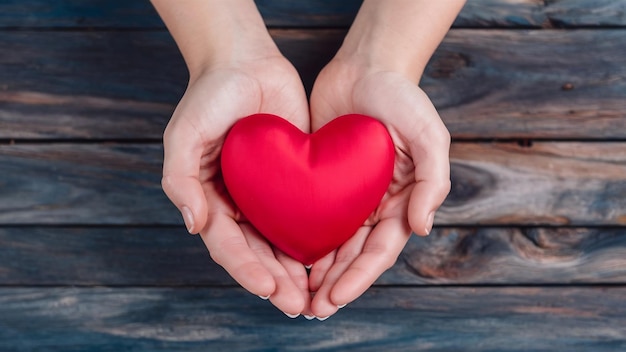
399, 35
213, 32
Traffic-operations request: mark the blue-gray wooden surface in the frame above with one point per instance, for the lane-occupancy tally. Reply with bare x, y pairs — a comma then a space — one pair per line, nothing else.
528, 253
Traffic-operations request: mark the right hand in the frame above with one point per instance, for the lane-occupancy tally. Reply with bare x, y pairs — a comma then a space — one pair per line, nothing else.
215, 99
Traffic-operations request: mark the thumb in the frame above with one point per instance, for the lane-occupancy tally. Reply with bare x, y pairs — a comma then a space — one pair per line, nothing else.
432, 176
181, 174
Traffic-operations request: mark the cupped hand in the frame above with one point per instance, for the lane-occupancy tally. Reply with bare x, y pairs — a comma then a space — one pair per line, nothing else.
420, 183
214, 100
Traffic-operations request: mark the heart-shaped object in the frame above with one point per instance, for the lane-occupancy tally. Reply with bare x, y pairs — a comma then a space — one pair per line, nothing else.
307, 193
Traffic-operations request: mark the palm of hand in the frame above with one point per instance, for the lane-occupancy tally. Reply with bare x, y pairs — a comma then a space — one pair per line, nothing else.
215, 100
192, 177
420, 139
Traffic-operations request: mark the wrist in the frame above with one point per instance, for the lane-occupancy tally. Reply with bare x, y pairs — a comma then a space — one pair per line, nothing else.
216, 33
398, 35
374, 46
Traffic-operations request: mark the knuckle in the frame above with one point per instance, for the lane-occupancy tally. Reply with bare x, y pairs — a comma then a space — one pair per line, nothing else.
166, 184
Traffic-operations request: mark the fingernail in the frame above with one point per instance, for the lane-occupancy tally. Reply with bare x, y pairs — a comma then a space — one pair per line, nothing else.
308, 266
429, 222
292, 316
309, 317
265, 298
322, 319
188, 218
341, 306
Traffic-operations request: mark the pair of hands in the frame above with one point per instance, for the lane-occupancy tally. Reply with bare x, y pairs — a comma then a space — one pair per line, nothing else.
217, 97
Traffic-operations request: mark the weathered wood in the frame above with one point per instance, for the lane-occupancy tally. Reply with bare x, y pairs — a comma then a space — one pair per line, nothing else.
390, 319
167, 256
585, 13
486, 84
503, 13
315, 13
512, 256
84, 184
502, 183
78, 14
501, 84
547, 183
277, 13
312, 13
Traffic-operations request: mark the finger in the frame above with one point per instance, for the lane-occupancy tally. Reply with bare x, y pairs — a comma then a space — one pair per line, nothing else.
380, 252
298, 274
229, 248
181, 172
322, 304
431, 155
416, 123
286, 296
319, 270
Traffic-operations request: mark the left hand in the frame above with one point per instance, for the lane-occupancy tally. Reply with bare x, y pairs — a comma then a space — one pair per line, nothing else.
420, 183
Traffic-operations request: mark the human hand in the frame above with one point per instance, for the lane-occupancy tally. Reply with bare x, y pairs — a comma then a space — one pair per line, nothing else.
376, 73
240, 72
420, 182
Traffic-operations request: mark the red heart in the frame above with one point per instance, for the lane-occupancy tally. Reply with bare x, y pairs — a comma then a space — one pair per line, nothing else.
307, 193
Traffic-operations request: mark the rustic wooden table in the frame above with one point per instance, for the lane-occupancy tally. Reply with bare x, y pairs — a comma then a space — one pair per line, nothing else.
529, 250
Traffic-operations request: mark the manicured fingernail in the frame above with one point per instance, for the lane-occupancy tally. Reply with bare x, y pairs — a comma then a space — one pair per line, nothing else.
308, 266
188, 218
341, 306
429, 222
265, 298
309, 317
322, 319
292, 316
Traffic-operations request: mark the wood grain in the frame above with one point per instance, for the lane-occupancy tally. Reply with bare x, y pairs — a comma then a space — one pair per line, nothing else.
550, 183
167, 256
503, 14
113, 256
486, 84
83, 184
390, 319
584, 13
79, 14
500, 84
512, 256
313, 13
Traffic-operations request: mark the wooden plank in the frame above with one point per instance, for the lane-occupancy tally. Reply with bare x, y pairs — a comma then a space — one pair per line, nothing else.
157, 256
550, 183
277, 13
313, 13
512, 256
547, 183
503, 14
500, 84
486, 84
83, 184
78, 14
585, 13
165, 256
389, 319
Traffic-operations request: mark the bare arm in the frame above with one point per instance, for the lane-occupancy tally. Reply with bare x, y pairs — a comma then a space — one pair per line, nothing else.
210, 33
399, 35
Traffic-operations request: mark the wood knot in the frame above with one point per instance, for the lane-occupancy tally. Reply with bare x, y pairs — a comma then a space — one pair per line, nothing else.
446, 65
468, 183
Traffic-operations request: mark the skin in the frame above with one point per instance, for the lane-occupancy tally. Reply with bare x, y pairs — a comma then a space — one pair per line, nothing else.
236, 70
